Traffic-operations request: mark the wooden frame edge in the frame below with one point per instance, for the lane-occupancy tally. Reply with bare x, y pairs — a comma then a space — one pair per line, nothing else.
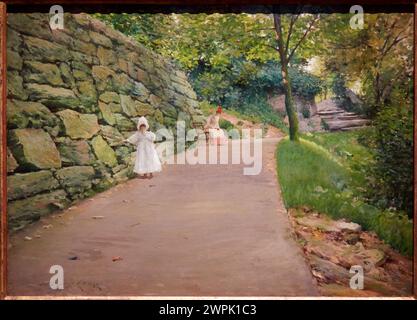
3, 162
415, 157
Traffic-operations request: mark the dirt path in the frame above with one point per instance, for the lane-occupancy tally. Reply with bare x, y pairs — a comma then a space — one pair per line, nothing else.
202, 230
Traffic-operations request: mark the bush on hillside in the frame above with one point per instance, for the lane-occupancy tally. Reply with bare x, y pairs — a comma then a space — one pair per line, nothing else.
391, 176
226, 124
345, 98
246, 86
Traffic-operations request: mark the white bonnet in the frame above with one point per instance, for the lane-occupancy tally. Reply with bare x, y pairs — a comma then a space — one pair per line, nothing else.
142, 120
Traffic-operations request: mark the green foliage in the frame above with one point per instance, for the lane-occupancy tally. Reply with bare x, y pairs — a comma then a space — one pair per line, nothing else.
312, 176
151, 30
230, 57
350, 152
206, 107
304, 84
324, 125
256, 105
226, 124
340, 90
378, 57
247, 85
306, 113
391, 175
383, 67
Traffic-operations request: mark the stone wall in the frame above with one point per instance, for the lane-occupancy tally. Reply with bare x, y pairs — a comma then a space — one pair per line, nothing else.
73, 95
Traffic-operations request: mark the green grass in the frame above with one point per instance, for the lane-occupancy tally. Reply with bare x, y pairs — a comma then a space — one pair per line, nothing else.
348, 151
323, 172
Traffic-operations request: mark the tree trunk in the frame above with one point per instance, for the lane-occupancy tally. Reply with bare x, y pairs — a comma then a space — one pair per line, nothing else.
289, 102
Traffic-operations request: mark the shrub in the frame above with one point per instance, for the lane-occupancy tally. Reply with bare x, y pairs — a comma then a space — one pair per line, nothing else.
324, 124
247, 86
207, 108
391, 176
226, 124
306, 113
343, 98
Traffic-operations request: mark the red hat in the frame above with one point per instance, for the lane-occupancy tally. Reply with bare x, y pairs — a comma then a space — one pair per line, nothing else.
219, 109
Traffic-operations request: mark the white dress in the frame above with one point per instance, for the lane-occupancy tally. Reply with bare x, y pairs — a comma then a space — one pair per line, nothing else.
216, 134
147, 160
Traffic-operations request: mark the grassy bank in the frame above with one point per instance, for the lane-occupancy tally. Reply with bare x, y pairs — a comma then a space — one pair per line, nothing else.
266, 116
323, 172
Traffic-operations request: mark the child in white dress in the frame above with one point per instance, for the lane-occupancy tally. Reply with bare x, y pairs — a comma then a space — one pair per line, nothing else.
147, 160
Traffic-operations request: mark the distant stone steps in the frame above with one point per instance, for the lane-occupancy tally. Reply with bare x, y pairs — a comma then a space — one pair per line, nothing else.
337, 119
329, 112
348, 117
327, 117
353, 128
336, 124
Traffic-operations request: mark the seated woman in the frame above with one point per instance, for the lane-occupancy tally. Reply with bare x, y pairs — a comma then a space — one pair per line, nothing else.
214, 135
